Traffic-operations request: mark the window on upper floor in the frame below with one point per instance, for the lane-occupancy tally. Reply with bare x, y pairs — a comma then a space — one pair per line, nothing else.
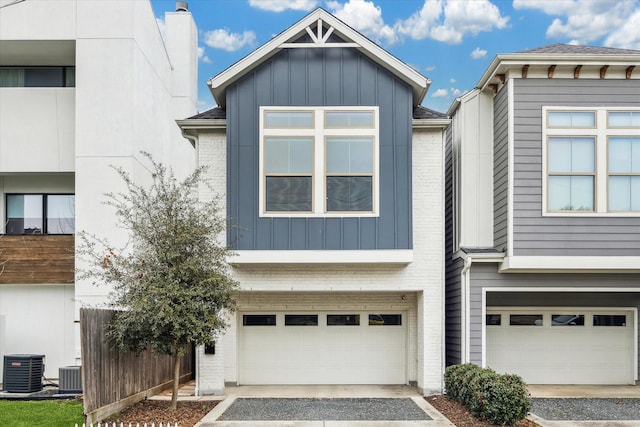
591, 161
37, 76
318, 161
40, 213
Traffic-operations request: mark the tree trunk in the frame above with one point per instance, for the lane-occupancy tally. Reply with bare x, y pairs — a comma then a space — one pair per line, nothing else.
176, 377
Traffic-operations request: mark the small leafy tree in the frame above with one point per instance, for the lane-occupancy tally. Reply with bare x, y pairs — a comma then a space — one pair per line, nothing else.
171, 282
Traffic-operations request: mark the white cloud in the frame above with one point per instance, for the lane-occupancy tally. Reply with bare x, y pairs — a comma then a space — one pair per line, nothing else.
440, 93
223, 39
452, 80
201, 56
282, 5
457, 92
450, 20
627, 36
478, 53
584, 21
430, 68
365, 17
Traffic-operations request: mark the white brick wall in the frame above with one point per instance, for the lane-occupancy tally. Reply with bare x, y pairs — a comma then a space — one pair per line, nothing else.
286, 287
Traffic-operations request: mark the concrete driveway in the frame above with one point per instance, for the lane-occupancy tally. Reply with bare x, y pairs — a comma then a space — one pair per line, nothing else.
591, 405
298, 398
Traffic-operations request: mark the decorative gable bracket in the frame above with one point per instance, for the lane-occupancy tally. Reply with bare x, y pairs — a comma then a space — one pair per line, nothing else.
319, 37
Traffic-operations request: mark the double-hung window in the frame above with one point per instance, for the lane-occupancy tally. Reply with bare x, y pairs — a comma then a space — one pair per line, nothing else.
318, 161
40, 214
591, 161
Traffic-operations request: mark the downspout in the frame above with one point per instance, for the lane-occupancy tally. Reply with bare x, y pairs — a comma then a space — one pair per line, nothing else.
465, 282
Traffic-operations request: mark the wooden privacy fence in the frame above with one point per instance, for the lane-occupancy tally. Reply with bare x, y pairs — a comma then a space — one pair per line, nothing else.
111, 380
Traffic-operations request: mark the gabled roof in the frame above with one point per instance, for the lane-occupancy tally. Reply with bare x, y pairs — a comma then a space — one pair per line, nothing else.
323, 29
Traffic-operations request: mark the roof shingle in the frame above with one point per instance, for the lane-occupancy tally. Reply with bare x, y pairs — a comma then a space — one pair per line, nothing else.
569, 49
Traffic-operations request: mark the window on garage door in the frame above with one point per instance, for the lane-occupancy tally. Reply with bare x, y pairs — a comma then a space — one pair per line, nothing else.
609, 320
301, 320
259, 320
385, 320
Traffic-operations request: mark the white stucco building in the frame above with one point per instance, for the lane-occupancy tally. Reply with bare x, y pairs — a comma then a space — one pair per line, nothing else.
84, 85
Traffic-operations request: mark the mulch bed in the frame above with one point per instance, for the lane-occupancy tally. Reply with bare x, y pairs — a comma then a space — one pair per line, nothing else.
458, 414
157, 411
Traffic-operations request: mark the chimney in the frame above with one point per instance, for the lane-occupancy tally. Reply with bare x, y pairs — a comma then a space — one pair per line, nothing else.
182, 6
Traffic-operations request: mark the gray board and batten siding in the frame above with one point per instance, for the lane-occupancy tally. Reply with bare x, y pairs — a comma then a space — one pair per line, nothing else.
487, 276
533, 234
319, 77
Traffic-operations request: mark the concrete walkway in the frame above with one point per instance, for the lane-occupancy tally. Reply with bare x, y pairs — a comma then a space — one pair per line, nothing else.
341, 391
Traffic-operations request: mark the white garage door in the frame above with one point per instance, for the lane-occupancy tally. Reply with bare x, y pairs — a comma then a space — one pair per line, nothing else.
576, 346
322, 348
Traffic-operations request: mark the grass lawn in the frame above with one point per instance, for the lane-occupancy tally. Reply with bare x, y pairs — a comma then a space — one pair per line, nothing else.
45, 413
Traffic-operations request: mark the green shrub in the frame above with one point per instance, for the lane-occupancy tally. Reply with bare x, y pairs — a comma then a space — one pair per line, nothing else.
499, 399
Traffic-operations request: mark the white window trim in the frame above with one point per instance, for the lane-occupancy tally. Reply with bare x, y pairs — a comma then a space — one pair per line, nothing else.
601, 133
319, 134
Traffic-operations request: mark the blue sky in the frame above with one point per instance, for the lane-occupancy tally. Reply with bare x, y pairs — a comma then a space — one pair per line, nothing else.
449, 41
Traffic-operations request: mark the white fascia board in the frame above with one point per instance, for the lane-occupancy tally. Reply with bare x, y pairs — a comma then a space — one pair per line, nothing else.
571, 264
418, 82
391, 256
430, 123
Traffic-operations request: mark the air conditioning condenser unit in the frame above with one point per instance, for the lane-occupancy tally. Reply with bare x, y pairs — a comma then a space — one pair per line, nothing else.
22, 373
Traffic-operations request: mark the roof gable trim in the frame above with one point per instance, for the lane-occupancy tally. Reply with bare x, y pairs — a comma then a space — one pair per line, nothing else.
320, 39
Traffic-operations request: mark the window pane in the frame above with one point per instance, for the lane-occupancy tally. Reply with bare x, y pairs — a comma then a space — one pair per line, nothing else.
571, 119
567, 320
349, 193
385, 319
619, 155
571, 155
624, 118
609, 320
349, 119
570, 193
624, 193
61, 214
288, 155
11, 77
288, 193
70, 76
559, 155
525, 320
301, 320
624, 155
259, 320
493, 319
289, 119
349, 155
44, 77
24, 214
343, 319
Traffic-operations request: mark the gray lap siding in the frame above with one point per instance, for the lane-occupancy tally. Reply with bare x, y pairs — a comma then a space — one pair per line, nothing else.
533, 234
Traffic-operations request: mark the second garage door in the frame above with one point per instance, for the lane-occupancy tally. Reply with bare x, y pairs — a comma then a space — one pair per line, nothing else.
322, 348
574, 346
